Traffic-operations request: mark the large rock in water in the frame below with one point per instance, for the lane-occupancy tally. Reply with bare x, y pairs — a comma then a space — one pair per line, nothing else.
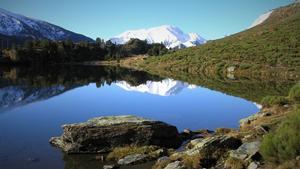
102, 134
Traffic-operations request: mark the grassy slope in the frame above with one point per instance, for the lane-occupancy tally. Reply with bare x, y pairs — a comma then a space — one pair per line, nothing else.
273, 44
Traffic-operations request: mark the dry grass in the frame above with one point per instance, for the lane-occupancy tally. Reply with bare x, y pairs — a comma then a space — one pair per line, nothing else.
121, 152
234, 163
161, 164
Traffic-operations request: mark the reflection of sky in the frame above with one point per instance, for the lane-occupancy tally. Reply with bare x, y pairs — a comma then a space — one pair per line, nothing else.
28, 128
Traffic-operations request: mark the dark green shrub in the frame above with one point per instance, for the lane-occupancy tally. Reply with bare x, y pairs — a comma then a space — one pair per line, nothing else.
220, 66
284, 143
294, 93
274, 100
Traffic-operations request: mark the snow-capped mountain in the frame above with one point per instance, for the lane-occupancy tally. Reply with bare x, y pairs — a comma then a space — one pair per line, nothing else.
170, 36
165, 87
261, 19
16, 25
15, 96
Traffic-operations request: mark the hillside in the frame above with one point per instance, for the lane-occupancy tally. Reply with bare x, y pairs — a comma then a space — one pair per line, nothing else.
272, 45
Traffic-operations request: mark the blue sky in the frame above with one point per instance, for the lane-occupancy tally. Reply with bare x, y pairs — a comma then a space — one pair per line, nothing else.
211, 19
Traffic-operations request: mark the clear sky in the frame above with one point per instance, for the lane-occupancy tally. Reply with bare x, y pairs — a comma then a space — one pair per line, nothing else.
211, 19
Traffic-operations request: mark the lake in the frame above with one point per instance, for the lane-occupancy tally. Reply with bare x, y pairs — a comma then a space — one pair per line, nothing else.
35, 102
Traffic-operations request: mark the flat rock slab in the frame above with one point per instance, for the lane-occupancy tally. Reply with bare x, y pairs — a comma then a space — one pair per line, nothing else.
102, 134
212, 144
175, 165
133, 159
246, 150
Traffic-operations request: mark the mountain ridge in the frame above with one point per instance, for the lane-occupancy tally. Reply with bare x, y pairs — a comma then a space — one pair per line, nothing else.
23, 27
171, 36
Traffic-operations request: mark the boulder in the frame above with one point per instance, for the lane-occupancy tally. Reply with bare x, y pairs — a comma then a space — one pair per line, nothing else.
246, 151
102, 134
159, 153
133, 159
196, 141
175, 165
163, 158
214, 143
253, 165
112, 166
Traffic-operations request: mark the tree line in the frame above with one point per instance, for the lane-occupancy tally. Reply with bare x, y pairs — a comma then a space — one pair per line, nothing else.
48, 52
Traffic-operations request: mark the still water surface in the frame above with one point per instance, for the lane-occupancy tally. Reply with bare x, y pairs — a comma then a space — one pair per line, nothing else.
30, 114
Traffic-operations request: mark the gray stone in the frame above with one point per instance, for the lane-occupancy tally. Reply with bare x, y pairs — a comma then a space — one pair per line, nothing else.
261, 129
246, 151
252, 165
249, 119
194, 142
214, 143
133, 159
230, 69
113, 166
102, 134
160, 152
175, 165
230, 76
164, 158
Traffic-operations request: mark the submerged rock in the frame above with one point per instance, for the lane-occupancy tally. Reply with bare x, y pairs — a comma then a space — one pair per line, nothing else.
102, 134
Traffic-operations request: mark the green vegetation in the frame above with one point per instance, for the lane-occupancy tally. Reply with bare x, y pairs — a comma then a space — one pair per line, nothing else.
293, 96
295, 93
283, 144
272, 46
274, 100
49, 52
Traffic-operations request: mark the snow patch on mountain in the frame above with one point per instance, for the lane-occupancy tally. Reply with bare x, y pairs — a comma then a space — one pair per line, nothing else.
165, 87
12, 24
170, 36
261, 19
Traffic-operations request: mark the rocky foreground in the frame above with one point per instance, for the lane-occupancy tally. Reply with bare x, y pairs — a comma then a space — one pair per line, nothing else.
131, 140
103, 134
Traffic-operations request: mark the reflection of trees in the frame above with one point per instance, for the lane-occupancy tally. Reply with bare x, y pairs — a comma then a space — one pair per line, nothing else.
250, 88
71, 75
